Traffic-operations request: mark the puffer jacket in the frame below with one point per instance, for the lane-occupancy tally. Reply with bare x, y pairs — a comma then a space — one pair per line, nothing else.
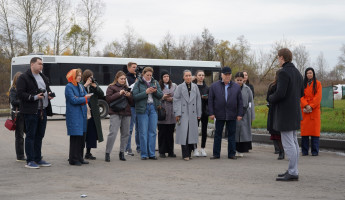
113, 93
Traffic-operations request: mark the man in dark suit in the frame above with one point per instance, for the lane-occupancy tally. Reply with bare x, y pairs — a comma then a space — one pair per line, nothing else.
288, 114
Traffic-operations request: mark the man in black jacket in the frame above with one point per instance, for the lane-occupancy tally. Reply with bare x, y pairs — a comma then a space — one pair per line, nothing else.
287, 116
33, 89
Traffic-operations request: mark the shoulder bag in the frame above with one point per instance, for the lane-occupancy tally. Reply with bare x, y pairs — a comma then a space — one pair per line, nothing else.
11, 124
119, 104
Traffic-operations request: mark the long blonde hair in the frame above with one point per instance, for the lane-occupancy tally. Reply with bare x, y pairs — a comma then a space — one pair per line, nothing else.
117, 76
15, 78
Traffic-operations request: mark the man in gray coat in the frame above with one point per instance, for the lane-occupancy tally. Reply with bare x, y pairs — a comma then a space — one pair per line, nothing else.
287, 116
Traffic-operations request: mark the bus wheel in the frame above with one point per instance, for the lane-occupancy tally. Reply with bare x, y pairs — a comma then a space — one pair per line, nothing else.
103, 108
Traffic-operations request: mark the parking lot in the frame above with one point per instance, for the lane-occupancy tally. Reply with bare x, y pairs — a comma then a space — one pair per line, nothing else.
250, 177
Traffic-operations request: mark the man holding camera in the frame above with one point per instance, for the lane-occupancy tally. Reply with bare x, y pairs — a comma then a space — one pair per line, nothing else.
35, 95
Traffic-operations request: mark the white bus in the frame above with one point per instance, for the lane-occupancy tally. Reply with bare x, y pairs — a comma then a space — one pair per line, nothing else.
104, 70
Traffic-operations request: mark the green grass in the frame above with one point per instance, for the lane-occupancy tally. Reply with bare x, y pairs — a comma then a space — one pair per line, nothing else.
332, 120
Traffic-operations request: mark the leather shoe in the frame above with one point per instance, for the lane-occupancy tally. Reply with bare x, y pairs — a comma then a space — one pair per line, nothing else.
288, 177
172, 155
153, 158
75, 163
283, 174
84, 162
162, 155
144, 158
232, 157
214, 158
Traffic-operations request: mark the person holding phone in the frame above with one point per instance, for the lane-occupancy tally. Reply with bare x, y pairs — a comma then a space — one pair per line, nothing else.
147, 95
94, 126
203, 89
166, 127
76, 120
118, 119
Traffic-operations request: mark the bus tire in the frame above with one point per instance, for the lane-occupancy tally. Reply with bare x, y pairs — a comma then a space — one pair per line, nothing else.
103, 108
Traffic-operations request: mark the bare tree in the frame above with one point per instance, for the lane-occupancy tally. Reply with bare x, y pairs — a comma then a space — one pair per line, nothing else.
31, 18
196, 49
181, 50
321, 66
129, 42
300, 57
167, 46
208, 45
243, 48
6, 26
223, 52
113, 49
342, 56
92, 11
61, 25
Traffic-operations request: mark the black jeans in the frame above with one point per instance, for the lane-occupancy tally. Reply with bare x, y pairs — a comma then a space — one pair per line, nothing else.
204, 122
19, 135
35, 129
166, 138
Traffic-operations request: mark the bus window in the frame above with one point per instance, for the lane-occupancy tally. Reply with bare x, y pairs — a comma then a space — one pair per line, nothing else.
19, 68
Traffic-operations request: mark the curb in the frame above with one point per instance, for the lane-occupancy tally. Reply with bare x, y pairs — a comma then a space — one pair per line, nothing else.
324, 143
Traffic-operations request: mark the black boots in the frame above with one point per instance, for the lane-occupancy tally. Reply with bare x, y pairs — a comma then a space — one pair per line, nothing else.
276, 146
281, 155
122, 156
107, 157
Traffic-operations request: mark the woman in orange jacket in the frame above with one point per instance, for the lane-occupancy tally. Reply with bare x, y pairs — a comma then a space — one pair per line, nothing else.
310, 105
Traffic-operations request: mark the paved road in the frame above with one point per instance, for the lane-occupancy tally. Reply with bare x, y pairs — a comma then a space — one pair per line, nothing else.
251, 177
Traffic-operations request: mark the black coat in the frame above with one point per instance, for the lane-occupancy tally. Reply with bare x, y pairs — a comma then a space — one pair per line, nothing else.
203, 89
287, 115
27, 88
271, 108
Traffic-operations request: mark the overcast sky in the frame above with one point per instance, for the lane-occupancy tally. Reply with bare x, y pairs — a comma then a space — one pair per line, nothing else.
319, 25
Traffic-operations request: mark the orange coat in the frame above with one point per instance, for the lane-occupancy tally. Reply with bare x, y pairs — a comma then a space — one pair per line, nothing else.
311, 122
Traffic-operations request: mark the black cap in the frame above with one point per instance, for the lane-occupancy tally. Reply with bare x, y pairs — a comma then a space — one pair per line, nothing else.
163, 73
226, 70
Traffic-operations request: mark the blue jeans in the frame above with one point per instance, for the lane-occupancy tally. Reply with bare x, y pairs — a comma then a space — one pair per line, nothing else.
147, 130
35, 130
314, 145
231, 128
137, 139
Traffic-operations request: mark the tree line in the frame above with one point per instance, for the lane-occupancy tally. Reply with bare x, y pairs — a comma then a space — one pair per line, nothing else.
65, 27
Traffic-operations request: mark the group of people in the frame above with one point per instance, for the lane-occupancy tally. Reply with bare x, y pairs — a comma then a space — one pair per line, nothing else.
147, 104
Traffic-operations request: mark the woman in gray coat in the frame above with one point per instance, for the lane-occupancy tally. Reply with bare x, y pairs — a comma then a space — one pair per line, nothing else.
166, 127
187, 110
243, 127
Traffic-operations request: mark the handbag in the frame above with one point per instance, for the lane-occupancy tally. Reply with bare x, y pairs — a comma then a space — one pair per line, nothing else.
88, 114
161, 112
119, 104
11, 124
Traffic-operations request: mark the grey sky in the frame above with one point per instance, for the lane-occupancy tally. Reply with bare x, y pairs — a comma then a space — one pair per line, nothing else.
319, 25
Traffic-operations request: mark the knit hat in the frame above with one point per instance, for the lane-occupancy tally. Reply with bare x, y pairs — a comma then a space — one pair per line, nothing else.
164, 72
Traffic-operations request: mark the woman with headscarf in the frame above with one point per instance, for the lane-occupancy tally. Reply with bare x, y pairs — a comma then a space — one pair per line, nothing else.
311, 119
76, 116
166, 127
187, 110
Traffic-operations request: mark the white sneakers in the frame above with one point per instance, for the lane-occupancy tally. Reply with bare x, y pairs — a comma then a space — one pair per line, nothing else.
198, 153
238, 154
203, 152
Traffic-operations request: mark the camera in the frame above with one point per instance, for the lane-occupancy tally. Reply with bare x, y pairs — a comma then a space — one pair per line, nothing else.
52, 94
128, 89
139, 70
93, 80
41, 90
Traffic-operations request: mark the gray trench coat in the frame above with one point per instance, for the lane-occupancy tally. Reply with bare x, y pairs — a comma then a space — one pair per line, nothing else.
243, 127
189, 108
168, 105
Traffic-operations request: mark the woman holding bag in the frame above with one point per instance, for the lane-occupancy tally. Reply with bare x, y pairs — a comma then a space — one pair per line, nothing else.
119, 119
